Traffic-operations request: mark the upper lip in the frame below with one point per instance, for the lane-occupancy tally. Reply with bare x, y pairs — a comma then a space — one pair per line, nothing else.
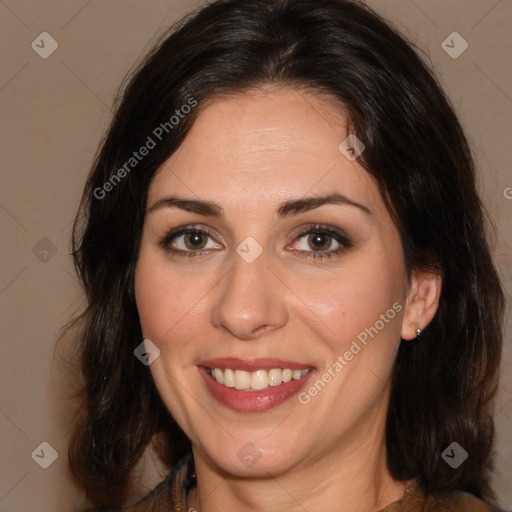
251, 365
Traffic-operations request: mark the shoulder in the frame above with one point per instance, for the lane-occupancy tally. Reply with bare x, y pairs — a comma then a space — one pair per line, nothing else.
157, 500
457, 501
169, 495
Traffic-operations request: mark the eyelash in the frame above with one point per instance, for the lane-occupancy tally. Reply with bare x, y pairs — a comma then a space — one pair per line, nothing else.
341, 238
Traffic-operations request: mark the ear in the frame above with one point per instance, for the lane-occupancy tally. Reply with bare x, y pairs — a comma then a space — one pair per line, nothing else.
421, 303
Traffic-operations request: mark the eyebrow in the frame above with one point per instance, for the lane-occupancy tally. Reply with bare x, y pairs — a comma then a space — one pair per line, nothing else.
287, 208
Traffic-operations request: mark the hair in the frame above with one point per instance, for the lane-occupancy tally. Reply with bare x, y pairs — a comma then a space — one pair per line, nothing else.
443, 387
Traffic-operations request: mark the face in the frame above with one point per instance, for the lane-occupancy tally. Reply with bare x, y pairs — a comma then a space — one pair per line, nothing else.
277, 313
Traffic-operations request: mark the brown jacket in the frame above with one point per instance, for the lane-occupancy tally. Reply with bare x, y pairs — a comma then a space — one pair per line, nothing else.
170, 496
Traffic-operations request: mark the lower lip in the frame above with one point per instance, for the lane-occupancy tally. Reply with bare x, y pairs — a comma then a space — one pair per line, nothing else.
253, 401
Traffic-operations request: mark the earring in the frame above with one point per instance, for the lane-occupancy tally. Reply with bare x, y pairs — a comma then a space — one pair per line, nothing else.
418, 333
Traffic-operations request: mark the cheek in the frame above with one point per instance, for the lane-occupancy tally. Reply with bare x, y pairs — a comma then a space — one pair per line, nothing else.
350, 303
162, 298
172, 305
157, 311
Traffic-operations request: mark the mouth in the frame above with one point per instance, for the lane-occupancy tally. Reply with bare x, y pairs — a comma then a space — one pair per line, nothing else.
258, 380
254, 385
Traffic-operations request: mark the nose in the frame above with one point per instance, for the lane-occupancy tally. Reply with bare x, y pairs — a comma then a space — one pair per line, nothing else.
251, 300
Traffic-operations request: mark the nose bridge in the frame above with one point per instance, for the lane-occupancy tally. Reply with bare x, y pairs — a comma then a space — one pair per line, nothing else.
247, 300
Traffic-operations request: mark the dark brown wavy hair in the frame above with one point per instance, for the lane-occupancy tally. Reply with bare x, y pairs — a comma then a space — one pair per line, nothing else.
443, 386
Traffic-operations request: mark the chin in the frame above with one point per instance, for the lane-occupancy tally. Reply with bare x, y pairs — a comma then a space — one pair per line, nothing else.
253, 459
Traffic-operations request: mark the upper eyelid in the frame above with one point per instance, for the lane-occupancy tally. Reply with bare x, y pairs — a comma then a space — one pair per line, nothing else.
302, 232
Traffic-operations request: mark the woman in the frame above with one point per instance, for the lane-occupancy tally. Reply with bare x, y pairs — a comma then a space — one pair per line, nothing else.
290, 292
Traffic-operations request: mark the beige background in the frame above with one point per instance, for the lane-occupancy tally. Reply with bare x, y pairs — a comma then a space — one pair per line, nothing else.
53, 114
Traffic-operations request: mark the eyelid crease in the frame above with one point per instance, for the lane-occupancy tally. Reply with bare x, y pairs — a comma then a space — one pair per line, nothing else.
335, 233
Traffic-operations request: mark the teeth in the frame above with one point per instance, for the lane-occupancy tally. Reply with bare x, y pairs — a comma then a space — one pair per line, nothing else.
229, 377
242, 379
275, 377
255, 381
259, 380
219, 377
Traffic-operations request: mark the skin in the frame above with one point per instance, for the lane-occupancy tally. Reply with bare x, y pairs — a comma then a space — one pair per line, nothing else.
249, 153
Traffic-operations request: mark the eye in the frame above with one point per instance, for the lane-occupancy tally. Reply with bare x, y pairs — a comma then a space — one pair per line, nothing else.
322, 242
188, 241
318, 241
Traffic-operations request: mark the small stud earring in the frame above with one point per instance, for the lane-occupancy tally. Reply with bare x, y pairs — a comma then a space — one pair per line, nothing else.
418, 333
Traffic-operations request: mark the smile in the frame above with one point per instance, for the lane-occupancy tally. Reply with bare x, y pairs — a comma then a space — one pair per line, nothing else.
253, 385
257, 380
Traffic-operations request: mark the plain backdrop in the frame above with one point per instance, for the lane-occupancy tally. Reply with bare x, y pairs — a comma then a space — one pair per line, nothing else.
53, 113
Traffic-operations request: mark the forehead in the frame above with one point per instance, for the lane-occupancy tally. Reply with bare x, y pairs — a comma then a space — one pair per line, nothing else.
264, 146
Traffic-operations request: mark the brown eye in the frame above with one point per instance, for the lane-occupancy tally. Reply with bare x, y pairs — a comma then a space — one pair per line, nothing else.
187, 241
195, 240
320, 241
